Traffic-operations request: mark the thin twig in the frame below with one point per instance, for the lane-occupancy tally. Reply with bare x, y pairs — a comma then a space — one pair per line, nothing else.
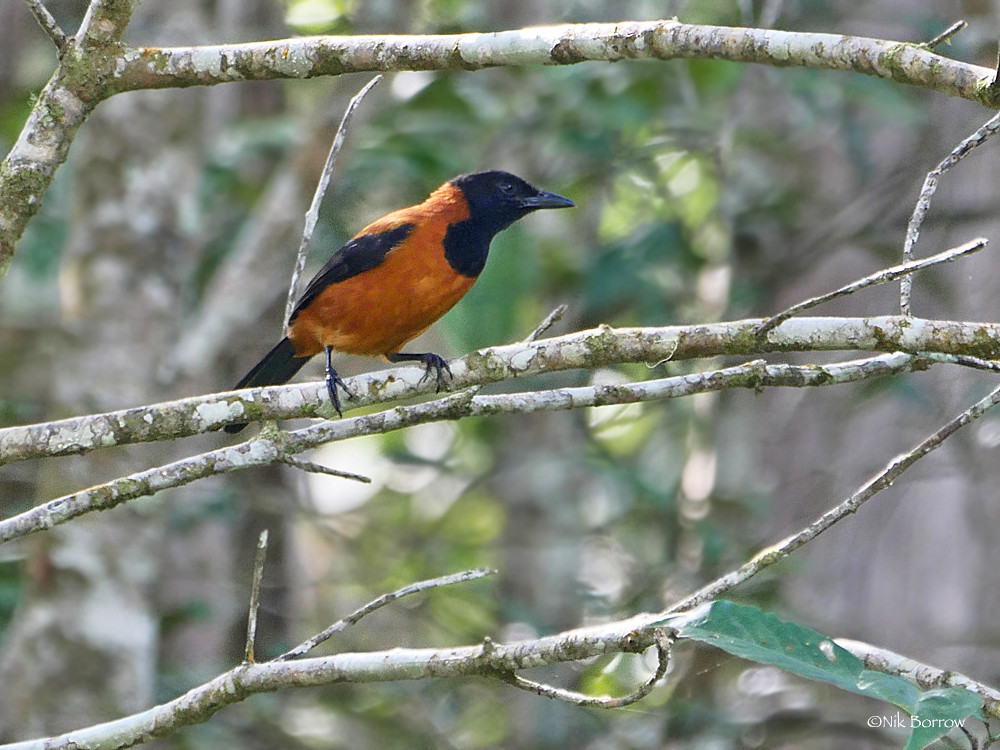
351, 619
550, 320
664, 642
924, 201
880, 277
258, 577
945, 36
872, 487
48, 23
315, 468
312, 215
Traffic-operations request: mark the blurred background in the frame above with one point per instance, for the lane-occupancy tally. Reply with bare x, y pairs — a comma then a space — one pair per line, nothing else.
706, 190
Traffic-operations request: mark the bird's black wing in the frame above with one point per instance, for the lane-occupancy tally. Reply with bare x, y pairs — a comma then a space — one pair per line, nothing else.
359, 255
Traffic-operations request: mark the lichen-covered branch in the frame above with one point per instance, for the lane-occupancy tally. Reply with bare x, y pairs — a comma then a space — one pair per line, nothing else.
76, 87
599, 347
307, 57
504, 660
96, 65
273, 446
201, 703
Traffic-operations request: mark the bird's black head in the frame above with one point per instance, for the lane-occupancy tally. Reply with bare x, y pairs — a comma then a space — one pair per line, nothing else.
496, 200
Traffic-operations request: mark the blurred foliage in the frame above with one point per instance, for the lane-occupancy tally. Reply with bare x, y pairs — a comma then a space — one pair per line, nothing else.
696, 183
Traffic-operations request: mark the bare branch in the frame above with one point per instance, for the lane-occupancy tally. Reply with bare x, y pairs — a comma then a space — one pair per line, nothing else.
28, 170
274, 447
200, 703
48, 23
599, 347
879, 277
768, 557
927, 192
414, 588
258, 577
307, 57
315, 468
664, 643
312, 215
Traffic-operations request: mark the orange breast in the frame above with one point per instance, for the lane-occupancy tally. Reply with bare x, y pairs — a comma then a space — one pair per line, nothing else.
379, 310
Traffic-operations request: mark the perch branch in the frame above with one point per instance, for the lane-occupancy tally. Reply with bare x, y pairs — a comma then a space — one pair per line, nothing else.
275, 447
599, 347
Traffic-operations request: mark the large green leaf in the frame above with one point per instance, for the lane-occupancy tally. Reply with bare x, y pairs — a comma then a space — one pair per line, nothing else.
761, 637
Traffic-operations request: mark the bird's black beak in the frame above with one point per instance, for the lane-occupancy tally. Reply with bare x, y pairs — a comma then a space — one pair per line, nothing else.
544, 199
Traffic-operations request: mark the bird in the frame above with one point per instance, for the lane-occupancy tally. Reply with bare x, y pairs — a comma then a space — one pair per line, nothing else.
397, 276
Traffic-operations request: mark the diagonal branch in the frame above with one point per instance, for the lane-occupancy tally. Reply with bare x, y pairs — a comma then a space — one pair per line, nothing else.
927, 192
200, 703
376, 604
884, 479
48, 23
879, 277
312, 215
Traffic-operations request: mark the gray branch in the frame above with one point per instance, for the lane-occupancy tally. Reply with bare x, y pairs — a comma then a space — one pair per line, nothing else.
598, 347
97, 65
274, 446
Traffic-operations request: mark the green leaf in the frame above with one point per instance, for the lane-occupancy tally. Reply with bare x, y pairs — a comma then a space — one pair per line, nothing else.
761, 637
937, 712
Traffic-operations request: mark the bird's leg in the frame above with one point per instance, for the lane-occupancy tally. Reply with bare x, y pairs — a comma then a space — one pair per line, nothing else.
431, 361
332, 381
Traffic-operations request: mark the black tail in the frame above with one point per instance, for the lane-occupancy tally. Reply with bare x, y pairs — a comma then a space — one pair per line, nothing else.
277, 367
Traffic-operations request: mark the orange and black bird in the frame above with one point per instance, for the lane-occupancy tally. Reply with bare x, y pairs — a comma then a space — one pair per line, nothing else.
397, 276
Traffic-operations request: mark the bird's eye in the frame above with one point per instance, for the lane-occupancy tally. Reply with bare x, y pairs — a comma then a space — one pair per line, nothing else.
507, 188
